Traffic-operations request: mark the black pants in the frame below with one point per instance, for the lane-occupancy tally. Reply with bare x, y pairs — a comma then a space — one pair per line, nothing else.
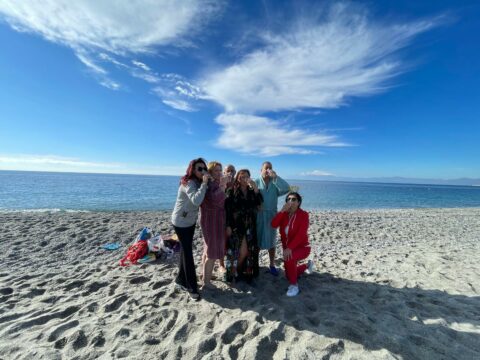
187, 275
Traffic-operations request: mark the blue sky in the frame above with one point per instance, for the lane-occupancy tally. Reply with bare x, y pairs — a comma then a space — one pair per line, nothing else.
344, 89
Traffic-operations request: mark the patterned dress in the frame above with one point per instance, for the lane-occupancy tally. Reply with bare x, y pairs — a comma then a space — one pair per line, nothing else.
241, 211
212, 221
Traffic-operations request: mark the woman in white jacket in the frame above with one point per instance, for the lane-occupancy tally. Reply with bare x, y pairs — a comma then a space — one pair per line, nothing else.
191, 193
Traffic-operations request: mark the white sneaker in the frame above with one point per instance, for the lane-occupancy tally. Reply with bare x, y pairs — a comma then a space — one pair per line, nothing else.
293, 290
310, 267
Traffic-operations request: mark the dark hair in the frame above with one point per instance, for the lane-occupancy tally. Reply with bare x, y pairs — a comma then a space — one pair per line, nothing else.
297, 195
236, 183
190, 173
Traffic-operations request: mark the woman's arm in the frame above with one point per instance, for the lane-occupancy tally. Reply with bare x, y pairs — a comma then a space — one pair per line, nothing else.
281, 185
278, 219
196, 195
300, 232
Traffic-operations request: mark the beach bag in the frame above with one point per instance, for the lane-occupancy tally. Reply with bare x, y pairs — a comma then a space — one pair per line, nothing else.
145, 234
159, 245
134, 253
155, 244
171, 242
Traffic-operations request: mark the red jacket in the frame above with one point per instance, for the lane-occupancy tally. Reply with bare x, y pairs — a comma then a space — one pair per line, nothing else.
298, 229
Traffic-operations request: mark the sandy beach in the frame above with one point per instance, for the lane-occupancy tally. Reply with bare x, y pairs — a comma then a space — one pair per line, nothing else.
388, 284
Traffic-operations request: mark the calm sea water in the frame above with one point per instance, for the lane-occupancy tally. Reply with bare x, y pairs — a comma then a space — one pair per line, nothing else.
67, 191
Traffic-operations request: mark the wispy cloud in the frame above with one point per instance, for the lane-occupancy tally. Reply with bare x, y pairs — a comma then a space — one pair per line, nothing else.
178, 93
255, 135
141, 65
316, 173
116, 27
318, 61
179, 105
96, 70
95, 29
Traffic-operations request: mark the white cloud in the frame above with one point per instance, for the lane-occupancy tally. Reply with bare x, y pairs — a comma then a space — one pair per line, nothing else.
179, 105
178, 93
95, 28
106, 57
86, 59
314, 63
316, 173
118, 27
141, 65
261, 136
98, 72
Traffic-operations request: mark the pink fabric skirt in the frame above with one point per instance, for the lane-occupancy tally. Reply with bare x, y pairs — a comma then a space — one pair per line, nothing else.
212, 222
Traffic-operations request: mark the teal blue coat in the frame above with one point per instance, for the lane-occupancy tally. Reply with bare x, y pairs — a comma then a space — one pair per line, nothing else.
265, 233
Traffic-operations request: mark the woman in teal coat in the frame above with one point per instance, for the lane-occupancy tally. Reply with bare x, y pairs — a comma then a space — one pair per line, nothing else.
271, 186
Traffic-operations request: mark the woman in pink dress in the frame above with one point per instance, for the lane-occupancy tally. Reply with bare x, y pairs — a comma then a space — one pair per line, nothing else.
212, 221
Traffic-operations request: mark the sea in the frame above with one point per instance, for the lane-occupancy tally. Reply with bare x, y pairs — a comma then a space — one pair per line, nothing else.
48, 191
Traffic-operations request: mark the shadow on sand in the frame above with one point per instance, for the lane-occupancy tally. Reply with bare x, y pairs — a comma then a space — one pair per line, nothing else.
410, 322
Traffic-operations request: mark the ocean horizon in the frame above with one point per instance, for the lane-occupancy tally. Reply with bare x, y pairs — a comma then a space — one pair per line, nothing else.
58, 191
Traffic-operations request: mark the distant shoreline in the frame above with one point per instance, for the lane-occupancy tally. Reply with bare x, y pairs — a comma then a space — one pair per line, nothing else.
400, 181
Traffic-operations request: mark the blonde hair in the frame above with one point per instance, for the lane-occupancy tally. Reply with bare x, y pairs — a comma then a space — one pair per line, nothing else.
212, 165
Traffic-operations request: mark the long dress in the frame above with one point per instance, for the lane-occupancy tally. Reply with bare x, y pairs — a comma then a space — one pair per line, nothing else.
241, 211
276, 187
212, 221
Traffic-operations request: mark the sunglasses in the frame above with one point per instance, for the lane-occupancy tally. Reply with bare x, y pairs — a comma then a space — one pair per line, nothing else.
201, 169
292, 199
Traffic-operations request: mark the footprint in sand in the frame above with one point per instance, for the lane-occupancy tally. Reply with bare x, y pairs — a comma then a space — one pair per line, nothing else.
123, 333
139, 280
74, 285
206, 347
98, 340
57, 332
6, 291
59, 247
112, 289
237, 328
114, 305
35, 293
94, 287
78, 340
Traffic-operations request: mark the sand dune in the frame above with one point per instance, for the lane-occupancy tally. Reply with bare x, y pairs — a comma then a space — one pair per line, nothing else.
390, 284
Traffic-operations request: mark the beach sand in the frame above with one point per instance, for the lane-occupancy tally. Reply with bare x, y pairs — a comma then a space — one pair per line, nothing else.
388, 284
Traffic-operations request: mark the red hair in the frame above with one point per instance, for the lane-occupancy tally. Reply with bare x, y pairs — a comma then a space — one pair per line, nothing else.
190, 173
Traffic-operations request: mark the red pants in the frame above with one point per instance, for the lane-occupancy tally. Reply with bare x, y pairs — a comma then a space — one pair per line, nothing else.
291, 269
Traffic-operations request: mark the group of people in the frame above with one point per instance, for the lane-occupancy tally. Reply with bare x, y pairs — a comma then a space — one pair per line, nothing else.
238, 217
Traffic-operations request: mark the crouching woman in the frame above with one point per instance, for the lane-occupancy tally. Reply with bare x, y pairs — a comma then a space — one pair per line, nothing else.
293, 224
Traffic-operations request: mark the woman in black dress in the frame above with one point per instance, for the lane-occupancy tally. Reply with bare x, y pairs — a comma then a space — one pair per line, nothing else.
241, 207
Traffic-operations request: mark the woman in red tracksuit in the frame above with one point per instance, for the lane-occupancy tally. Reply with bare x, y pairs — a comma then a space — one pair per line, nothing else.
293, 224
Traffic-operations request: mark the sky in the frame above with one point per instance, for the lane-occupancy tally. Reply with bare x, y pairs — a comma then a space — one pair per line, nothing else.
353, 89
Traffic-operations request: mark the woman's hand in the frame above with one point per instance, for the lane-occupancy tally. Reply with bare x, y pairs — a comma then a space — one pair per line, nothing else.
228, 231
253, 185
287, 254
286, 207
206, 177
223, 182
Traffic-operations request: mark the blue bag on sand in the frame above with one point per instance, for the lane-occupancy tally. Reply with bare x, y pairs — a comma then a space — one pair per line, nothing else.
145, 234
111, 246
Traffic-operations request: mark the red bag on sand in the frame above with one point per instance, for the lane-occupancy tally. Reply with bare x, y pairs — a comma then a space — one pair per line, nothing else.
134, 253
